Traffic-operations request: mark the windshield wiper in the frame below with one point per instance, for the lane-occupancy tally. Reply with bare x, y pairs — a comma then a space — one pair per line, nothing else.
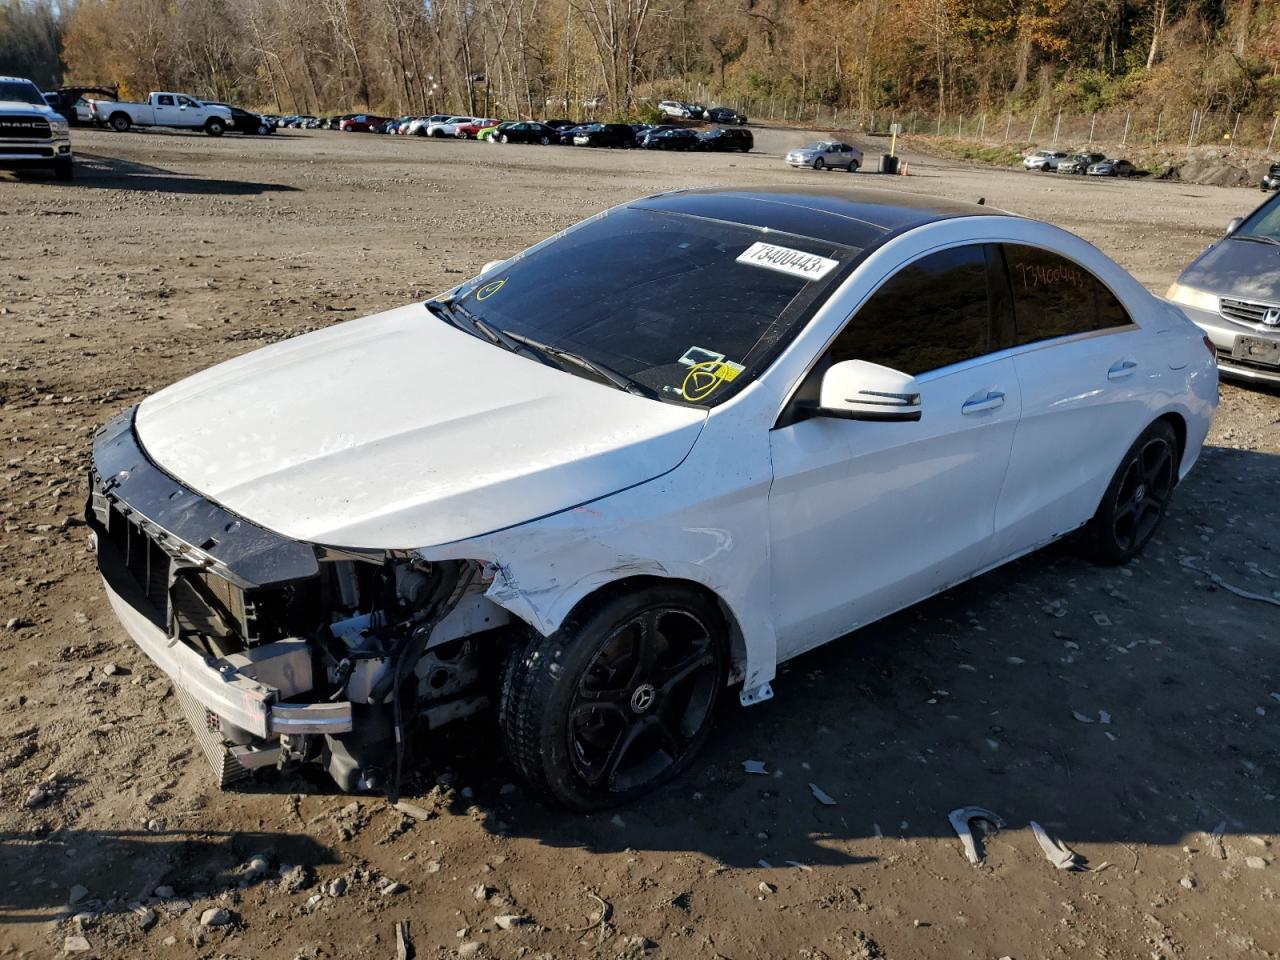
1256, 239
462, 318
605, 373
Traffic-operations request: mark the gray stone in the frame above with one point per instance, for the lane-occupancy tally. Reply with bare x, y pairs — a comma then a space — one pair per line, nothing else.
392, 888
147, 919
1255, 863
469, 949
256, 867
509, 921
337, 887
77, 893
164, 892
75, 945
35, 798
215, 917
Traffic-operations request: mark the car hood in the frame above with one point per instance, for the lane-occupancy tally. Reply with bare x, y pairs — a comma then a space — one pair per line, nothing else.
399, 431
35, 110
1234, 267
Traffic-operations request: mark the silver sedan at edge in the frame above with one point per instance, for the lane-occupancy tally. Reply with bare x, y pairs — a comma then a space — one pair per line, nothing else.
1232, 292
824, 154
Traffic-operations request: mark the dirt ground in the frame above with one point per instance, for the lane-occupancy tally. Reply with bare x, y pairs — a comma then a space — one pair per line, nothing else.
171, 252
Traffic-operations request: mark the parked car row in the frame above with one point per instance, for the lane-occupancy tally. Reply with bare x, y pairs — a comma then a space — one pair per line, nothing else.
679, 110
1090, 164
543, 132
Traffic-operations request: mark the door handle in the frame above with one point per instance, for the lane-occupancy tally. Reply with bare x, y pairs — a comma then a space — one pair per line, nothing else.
992, 401
1121, 369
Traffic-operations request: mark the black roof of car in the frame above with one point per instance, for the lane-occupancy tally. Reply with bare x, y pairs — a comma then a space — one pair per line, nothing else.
854, 217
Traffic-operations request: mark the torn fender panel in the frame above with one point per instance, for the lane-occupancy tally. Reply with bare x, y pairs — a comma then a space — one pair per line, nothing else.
678, 526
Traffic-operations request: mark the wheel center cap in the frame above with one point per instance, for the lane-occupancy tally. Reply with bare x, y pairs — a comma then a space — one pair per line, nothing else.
1140, 494
643, 697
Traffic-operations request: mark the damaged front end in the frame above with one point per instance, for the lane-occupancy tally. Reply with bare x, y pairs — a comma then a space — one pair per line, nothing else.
280, 650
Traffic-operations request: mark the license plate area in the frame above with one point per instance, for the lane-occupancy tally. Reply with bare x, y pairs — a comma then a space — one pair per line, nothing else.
1257, 350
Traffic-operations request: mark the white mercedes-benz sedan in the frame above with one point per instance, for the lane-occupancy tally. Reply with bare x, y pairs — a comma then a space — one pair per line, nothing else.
649, 458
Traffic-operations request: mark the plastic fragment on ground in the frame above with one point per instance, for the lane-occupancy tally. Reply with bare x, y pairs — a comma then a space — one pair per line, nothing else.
960, 818
1059, 854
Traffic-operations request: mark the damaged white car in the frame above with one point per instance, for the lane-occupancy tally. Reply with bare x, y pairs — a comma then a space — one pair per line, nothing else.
648, 458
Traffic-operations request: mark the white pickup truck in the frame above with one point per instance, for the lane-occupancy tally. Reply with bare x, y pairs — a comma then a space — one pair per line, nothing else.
163, 110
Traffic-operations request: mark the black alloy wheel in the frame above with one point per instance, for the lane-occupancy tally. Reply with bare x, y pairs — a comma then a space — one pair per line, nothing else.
619, 700
1137, 498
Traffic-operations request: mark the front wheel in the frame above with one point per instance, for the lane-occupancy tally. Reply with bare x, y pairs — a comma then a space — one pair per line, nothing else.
1136, 499
818, 164
214, 127
503, 139
544, 141
263, 130
619, 700
853, 166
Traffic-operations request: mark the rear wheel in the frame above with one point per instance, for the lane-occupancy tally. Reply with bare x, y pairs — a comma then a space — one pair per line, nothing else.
119, 122
544, 141
619, 700
263, 130
853, 166
1136, 499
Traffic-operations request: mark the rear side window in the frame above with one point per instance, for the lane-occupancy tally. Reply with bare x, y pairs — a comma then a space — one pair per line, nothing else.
930, 314
1054, 297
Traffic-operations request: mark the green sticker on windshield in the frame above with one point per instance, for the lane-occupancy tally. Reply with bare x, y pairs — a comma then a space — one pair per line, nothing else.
489, 289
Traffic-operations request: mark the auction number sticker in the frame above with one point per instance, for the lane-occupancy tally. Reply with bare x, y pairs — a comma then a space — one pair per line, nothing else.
797, 263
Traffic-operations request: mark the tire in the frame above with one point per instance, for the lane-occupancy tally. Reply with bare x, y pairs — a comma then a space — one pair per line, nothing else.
64, 169
1136, 499
262, 130
503, 139
544, 141
459, 135
819, 164
588, 739
214, 127
437, 132
120, 122
853, 166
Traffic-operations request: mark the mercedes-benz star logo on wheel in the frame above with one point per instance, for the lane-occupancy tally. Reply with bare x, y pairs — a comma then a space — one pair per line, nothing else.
643, 698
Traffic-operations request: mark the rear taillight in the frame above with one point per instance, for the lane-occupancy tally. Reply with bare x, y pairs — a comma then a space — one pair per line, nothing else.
1213, 351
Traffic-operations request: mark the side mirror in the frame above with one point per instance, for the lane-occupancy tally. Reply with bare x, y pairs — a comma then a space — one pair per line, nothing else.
1234, 225
858, 390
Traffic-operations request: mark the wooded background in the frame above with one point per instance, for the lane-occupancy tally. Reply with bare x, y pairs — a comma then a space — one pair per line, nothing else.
947, 58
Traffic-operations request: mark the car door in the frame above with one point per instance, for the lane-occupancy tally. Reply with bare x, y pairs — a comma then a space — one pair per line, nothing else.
165, 110
868, 517
1081, 368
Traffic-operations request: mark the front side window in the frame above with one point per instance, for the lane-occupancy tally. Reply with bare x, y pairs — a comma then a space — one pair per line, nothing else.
930, 314
187, 102
1055, 297
690, 307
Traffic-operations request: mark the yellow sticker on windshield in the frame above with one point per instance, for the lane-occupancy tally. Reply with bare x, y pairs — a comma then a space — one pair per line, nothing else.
703, 379
489, 289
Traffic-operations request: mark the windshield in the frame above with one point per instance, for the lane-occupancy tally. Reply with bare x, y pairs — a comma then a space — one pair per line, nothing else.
16, 91
1263, 223
689, 308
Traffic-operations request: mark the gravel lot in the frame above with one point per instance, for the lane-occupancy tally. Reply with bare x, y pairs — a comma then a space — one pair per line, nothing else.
171, 252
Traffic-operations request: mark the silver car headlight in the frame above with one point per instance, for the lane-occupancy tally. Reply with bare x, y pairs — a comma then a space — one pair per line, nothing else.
60, 127
1191, 297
